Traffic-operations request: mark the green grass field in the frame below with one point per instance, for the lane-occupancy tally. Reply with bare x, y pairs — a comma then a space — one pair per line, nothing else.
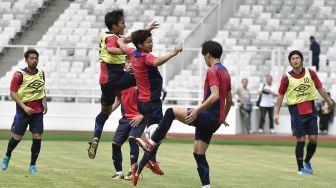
65, 164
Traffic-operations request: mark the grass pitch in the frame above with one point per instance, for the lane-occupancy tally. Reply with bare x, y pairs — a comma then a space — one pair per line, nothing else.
66, 164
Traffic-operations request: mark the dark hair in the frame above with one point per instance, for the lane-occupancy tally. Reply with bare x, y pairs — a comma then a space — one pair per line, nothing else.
213, 48
295, 52
312, 38
30, 51
113, 18
139, 37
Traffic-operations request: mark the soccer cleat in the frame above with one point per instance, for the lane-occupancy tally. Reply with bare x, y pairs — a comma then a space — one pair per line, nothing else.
154, 167
33, 170
146, 146
117, 177
260, 131
128, 176
135, 175
5, 162
308, 168
93, 148
303, 172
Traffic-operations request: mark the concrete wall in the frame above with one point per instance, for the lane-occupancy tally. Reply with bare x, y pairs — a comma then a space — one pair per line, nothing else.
81, 117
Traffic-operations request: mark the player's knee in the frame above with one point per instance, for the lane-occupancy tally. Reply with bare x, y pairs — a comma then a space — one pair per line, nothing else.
17, 137
107, 110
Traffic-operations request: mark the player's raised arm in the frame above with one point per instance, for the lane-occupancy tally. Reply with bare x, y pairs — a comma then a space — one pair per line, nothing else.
163, 59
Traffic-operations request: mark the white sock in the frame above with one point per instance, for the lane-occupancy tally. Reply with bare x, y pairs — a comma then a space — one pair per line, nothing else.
206, 186
120, 173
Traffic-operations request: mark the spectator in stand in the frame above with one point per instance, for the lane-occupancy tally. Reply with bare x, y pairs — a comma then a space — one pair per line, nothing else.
326, 115
315, 48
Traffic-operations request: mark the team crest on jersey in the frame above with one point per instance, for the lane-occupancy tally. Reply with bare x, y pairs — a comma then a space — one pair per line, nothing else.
35, 84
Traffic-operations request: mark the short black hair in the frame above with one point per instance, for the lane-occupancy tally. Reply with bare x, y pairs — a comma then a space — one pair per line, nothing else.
312, 38
139, 37
30, 51
113, 18
213, 48
295, 52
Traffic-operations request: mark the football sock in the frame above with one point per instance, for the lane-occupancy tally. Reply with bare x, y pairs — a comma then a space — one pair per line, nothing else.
311, 148
117, 157
12, 143
164, 126
134, 151
100, 122
146, 157
202, 168
35, 150
299, 150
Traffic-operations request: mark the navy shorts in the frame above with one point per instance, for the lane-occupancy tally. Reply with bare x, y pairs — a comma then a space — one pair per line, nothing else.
125, 130
303, 124
206, 124
22, 120
111, 89
152, 111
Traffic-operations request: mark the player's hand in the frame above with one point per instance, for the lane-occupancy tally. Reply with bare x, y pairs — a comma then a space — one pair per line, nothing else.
330, 106
192, 115
135, 122
178, 48
152, 25
28, 110
276, 119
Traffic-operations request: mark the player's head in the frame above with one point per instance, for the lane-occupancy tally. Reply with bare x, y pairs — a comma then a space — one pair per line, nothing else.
128, 65
211, 49
142, 40
31, 56
295, 59
115, 21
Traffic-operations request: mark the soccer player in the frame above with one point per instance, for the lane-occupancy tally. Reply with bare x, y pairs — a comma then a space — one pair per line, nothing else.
206, 118
113, 78
148, 79
130, 126
27, 90
300, 85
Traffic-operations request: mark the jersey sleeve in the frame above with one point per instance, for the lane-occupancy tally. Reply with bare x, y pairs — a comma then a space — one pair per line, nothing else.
112, 42
212, 78
316, 79
16, 82
149, 59
283, 85
129, 51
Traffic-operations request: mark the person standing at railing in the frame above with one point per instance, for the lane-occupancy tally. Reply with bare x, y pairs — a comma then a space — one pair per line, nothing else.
300, 85
27, 90
245, 106
315, 48
113, 78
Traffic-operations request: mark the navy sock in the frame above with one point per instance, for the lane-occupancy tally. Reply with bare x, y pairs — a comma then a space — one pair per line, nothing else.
164, 126
117, 157
202, 168
299, 150
12, 143
311, 148
35, 150
134, 151
100, 122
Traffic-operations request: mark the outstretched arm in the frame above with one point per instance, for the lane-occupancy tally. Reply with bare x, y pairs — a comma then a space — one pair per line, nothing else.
163, 59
